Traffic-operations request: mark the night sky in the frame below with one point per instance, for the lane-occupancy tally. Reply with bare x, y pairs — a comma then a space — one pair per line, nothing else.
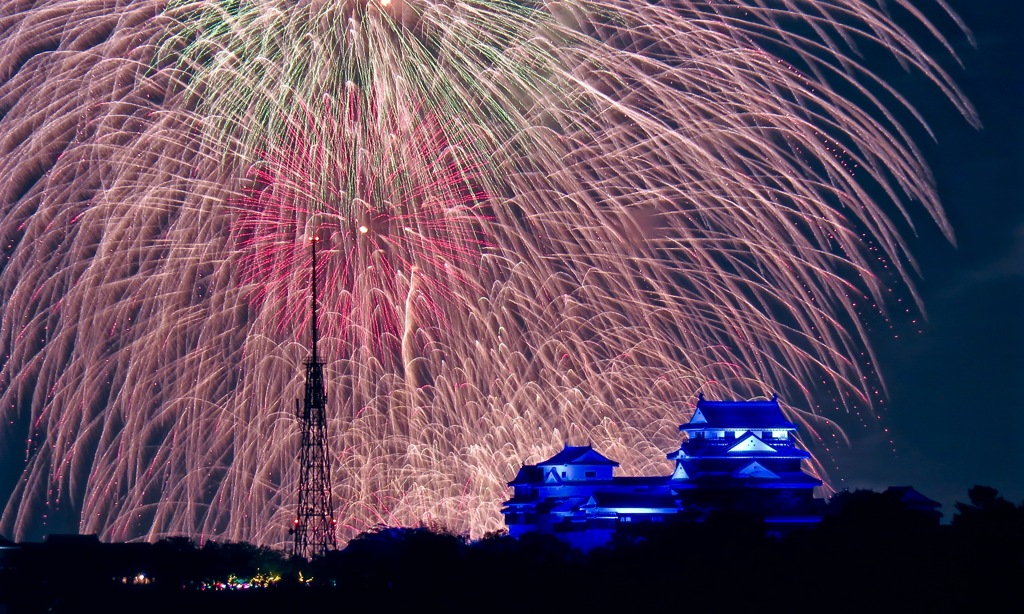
955, 404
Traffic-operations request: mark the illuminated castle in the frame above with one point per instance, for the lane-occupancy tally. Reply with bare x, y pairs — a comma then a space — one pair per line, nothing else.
737, 456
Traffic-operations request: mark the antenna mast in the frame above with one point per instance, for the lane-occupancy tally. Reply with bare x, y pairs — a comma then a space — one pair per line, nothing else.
314, 525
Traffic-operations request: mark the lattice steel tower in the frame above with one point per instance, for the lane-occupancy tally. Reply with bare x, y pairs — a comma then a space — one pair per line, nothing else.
314, 525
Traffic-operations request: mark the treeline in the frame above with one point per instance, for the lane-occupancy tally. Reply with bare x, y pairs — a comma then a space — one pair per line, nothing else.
871, 550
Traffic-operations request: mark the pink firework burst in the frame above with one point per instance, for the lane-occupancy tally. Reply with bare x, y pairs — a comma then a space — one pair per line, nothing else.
396, 204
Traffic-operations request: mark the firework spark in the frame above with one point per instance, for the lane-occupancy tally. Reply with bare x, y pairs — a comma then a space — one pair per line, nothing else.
548, 222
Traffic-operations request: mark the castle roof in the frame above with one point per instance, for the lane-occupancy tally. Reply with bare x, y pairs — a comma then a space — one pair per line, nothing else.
746, 415
747, 479
578, 455
570, 455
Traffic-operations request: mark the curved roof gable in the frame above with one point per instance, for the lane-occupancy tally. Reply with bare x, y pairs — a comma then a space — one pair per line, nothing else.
578, 455
755, 470
751, 443
746, 415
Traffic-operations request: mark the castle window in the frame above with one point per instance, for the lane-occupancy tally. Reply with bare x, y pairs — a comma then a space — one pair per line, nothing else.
591, 474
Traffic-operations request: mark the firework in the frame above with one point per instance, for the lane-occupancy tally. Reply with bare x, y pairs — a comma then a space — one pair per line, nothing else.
544, 223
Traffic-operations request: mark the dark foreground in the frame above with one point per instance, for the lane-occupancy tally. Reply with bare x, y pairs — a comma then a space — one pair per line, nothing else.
868, 553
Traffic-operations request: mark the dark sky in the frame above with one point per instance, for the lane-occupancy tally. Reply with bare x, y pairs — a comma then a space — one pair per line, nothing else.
955, 408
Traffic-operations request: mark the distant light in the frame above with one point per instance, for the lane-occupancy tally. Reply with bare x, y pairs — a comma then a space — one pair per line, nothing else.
364, 229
